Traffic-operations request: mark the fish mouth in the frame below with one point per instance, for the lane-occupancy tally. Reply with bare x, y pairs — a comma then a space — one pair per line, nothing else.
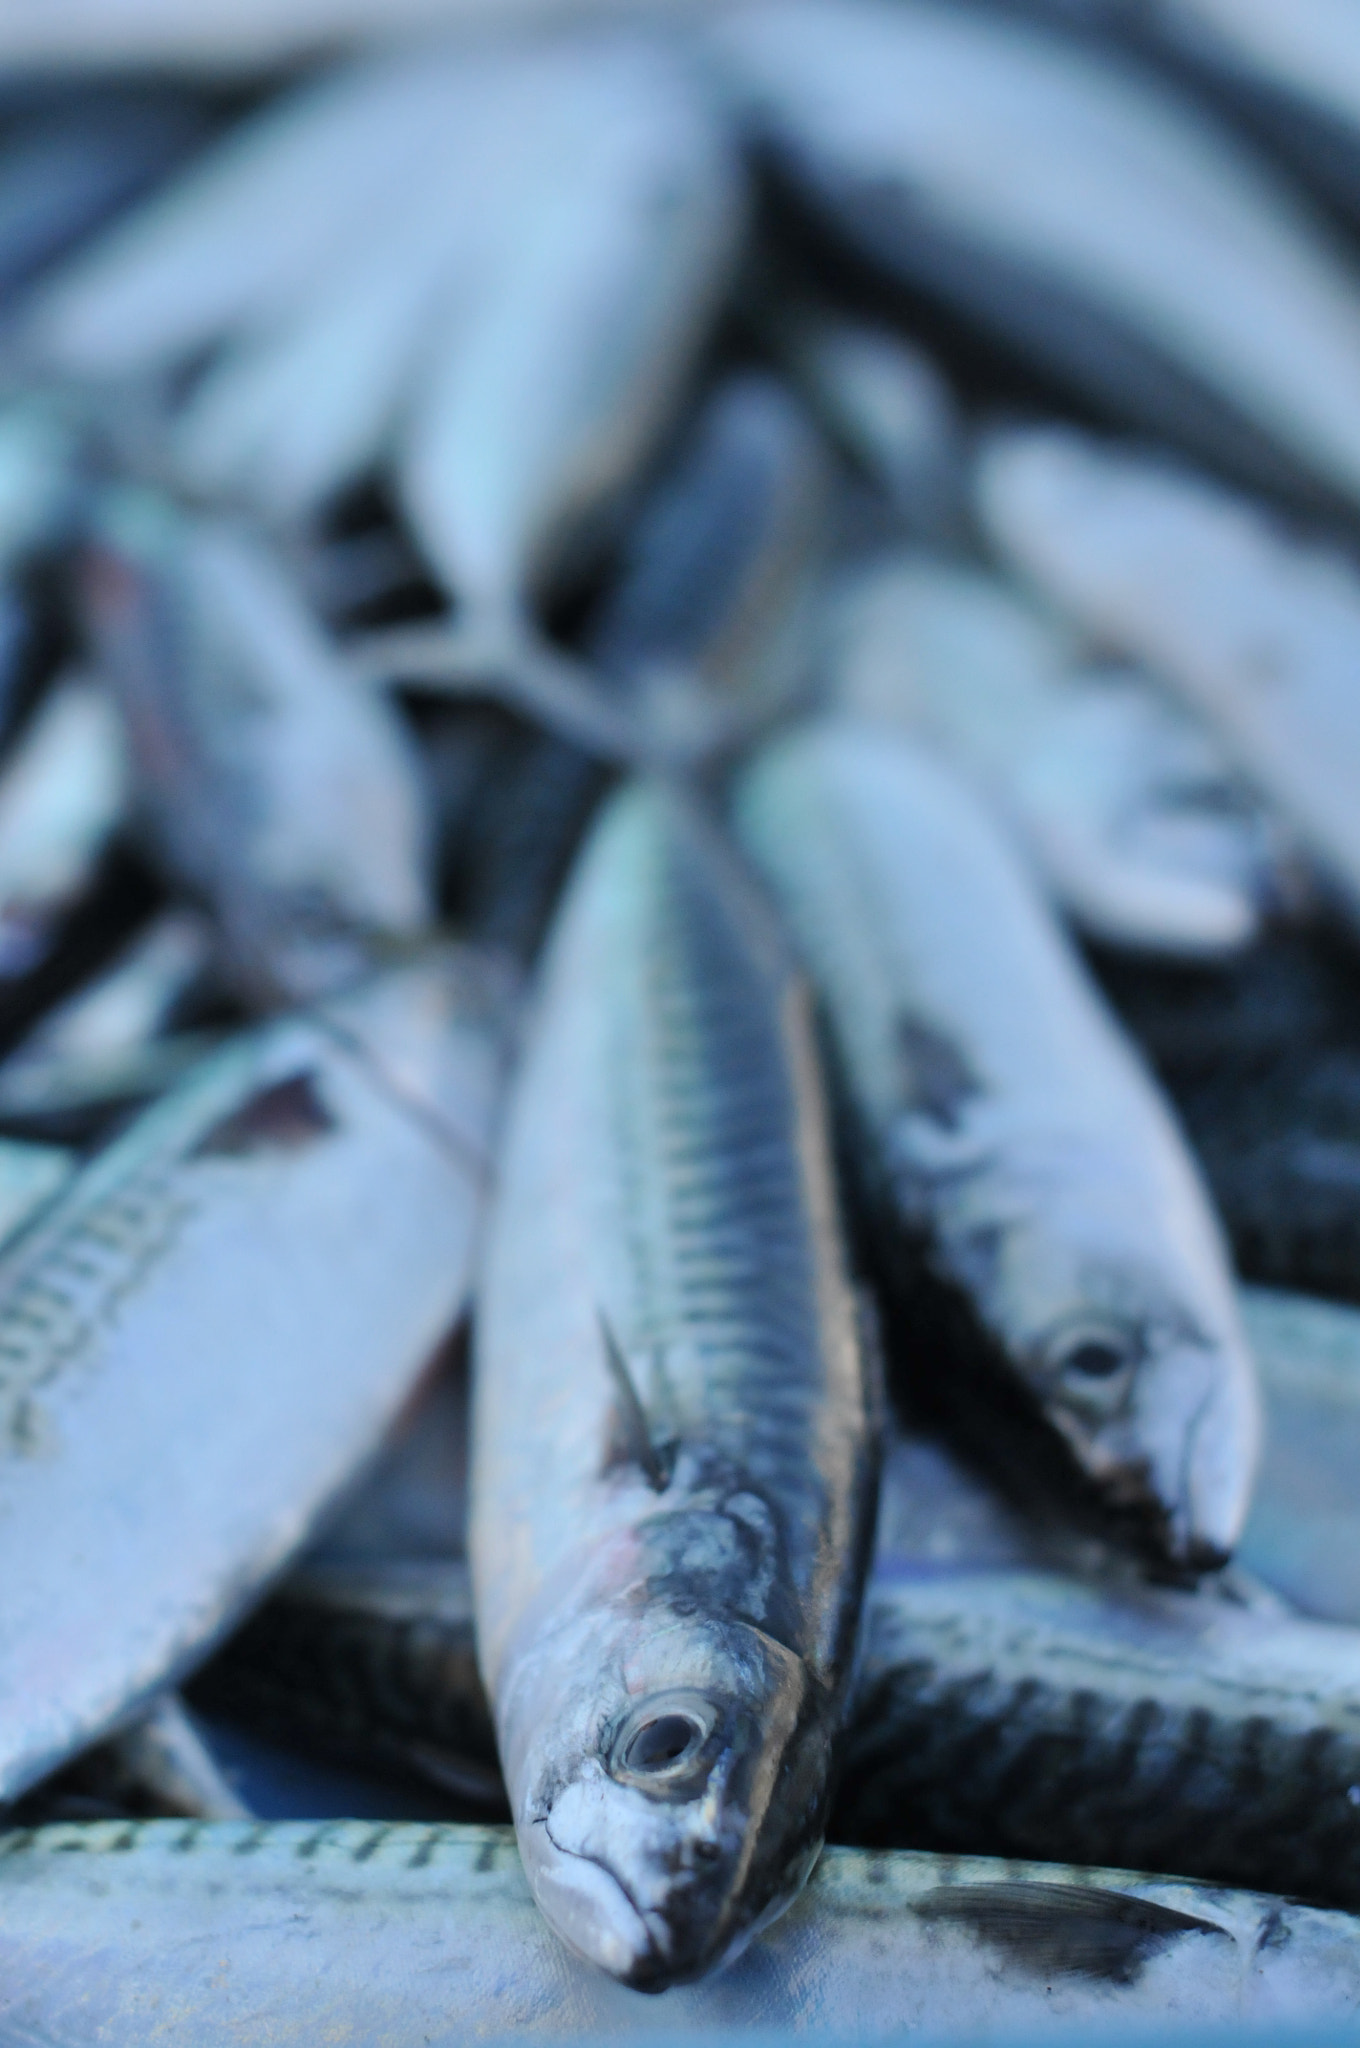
591, 1910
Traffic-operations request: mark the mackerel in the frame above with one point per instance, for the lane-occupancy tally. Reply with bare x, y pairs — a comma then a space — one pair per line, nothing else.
1257, 630
1129, 808
236, 1295
268, 783
667, 1327
1033, 1204
532, 423
1084, 214
405, 1934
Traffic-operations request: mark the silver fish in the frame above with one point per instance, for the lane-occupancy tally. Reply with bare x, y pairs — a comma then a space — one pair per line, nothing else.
1084, 213
268, 782
355, 1933
249, 230
1130, 809
529, 427
1021, 1691
235, 1296
890, 408
1257, 631
1018, 1165
105, 1043
667, 1327
296, 412
64, 791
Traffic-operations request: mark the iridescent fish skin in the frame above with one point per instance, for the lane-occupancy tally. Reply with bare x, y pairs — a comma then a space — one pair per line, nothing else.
1018, 1166
667, 1325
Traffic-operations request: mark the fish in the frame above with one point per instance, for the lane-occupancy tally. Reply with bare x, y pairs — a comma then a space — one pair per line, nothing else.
298, 411
266, 782
1038, 1218
1257, 631
64, 794
889, 407
160, 1764
667, 1325
526, 431
69, 167
704, 631
1132, 814
257, 38
108, 1041
249, 229
402, 1933
236, 1295
1077, 210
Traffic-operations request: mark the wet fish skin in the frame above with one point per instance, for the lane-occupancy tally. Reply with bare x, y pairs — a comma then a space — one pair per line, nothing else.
529, 428
1257, 631
323, 1177
268, 783
704, 631
399, 1933
666, 1320
248, 229
1093, 222
1131, 811
1030, 1196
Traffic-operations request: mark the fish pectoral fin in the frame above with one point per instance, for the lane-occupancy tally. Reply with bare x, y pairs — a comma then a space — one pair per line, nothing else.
511, 665
654, 1460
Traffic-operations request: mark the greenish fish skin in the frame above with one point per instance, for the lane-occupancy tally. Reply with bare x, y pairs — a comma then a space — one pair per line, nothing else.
667, 1326
1023, 1179
358, 1932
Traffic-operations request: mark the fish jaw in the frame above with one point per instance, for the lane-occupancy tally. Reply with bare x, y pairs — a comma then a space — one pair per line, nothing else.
663, 1823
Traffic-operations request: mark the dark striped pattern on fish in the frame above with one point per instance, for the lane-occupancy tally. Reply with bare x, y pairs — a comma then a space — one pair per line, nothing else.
668, 1332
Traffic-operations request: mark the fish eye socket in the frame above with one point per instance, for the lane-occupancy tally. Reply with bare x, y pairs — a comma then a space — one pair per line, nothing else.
1093, 1354
663, 1740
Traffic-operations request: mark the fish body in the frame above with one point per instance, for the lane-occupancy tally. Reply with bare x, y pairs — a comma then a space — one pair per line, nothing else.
889, 407
235, 1295
1098, 225
403, 1933
1130, 810
1257, 631
1014, 1158
251, 228
64, 791
268, 782
528, 428
704, 633
666, 1324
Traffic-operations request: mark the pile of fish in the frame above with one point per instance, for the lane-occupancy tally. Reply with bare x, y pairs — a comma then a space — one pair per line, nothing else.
679, 1017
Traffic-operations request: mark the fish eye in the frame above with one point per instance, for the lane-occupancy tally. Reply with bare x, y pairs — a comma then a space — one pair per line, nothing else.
1091, 1360
663, 1740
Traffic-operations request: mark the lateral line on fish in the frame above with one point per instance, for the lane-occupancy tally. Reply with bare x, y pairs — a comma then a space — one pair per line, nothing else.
646, 1454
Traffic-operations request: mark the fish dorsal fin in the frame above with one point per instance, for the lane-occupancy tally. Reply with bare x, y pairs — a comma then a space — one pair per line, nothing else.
651, 1459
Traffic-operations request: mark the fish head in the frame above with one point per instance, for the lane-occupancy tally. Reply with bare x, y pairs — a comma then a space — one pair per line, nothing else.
679, 1802
1161, 1412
